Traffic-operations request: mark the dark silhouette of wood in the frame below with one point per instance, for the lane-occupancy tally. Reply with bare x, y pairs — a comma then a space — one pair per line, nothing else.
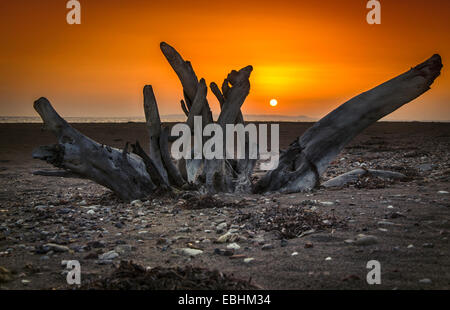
138, 174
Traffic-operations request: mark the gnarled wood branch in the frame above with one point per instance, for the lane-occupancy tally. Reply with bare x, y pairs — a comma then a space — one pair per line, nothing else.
123, 173
137, 175
308, 157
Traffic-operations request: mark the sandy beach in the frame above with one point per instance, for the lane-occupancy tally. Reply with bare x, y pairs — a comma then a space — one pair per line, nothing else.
408, 221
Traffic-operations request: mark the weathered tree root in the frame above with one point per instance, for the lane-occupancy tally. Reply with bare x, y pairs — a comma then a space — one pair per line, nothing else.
137, 174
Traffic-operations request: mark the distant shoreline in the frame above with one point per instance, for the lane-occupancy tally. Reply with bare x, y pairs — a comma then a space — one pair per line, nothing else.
173, 119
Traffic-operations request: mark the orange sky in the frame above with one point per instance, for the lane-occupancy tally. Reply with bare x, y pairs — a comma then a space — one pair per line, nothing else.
310, 55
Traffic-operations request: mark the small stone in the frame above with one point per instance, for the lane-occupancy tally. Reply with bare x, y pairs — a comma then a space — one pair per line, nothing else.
248, 260
137, 203
228, 237
223, 252
267, 247
425, 167
428, 245
184, 229
385, 223
41, 208
56, 248
442, 192
26, 282
91, 212
123, 248
108, 255
328, 258
410, 246
294, 254
233, 246
326, 203
364, 240
189, 252
221, 227
309, 245
5, 275
425, 281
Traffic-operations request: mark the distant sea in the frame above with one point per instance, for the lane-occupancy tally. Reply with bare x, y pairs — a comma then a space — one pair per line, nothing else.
140, 119
176, 118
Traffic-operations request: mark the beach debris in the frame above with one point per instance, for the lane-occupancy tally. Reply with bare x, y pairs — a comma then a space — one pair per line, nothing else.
188, 252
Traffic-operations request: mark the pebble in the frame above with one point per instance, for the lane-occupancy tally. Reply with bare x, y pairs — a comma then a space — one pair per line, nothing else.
442, 192
248, 260
189, 252
425, 281
385, 223
123, 248
41, 208
364, 240
108, 256
56, 247
326, 203
184, 230
223, 252
137, 203
228, 237
428, 245
309, 245
426, 167
91, 212
328, 258
267, 247
233, 246
294, 254
221, 227
26, 282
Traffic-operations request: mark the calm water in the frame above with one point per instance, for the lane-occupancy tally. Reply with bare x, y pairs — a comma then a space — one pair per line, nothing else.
37, 119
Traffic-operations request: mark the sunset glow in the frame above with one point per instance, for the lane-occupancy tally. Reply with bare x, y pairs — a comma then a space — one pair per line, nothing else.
314, 55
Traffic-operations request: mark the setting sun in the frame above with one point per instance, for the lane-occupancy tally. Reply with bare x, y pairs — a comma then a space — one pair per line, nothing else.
273, 102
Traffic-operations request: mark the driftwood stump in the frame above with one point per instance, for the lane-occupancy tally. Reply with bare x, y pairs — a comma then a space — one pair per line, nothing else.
132, 173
